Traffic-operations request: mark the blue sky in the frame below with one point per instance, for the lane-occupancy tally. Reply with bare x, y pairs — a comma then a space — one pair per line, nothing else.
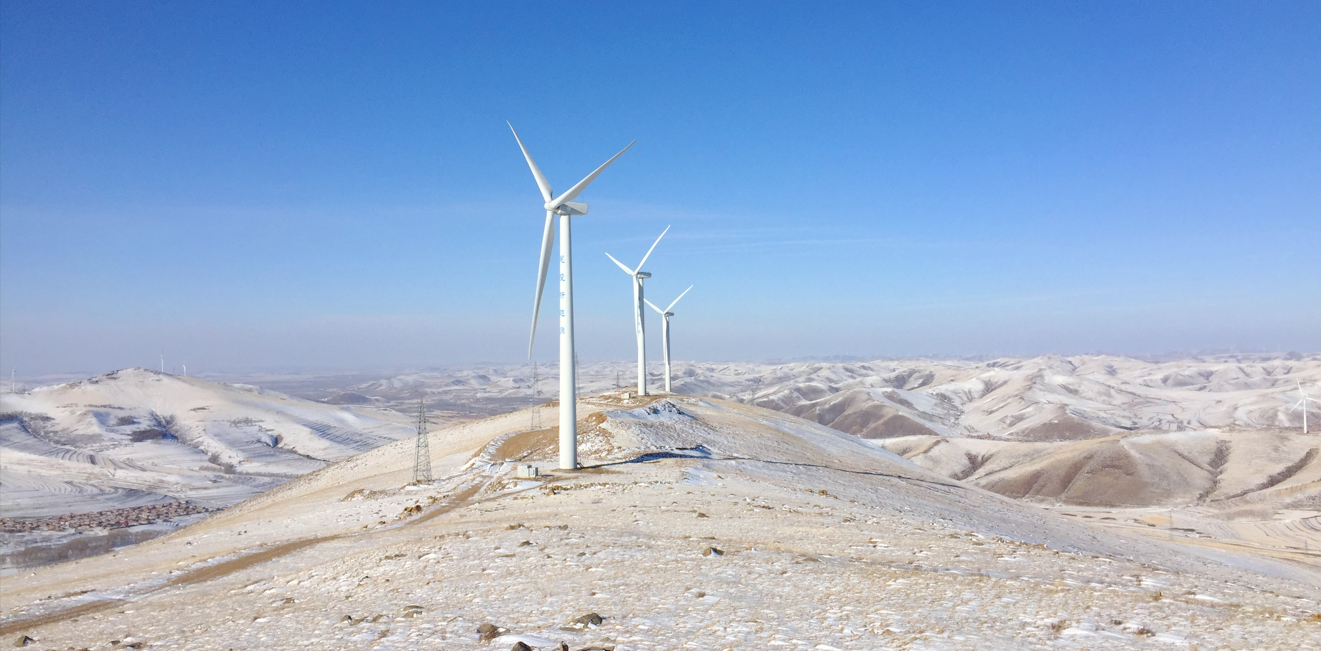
332, 185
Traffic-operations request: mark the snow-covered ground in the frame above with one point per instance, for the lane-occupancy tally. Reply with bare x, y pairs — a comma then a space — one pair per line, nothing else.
138, 437
1046, 398
1223, 469
695, 523
1258, 489
71, 448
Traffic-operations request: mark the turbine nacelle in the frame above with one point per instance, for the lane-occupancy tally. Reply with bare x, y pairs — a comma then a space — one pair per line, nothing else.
1303, 403
568, 208
563, 206
639, 316
665, 332
1306, 399
639, 273
666, 312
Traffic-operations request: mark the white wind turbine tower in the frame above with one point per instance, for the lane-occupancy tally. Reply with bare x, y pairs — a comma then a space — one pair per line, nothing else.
565, 208
1303, 403
639, 323
665, 333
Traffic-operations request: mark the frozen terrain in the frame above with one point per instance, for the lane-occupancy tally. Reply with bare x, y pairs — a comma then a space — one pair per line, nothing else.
137, 438
1208, 443
71, 449
1040, 399
1258, 491
696, 523
1048, 398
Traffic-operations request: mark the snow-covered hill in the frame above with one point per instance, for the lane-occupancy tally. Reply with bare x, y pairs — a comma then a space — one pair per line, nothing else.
1220, 470
1258, 488
1047, 398
138, 437
1040, 399
695, 524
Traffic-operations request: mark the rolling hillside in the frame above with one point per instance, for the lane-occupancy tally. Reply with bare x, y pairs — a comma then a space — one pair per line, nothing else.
694, 522
137, 438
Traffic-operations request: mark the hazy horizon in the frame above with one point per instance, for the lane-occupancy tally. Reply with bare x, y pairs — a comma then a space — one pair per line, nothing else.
550, 367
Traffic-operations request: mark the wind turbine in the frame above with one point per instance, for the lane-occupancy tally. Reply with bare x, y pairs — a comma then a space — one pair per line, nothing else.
665, 333
1302, 403
565, 207
639, 325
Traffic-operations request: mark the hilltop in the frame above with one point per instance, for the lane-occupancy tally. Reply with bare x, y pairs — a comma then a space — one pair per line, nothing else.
1047, 398
694, 522
137, 438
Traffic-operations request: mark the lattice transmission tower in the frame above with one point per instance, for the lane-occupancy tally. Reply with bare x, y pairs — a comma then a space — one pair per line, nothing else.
422, 451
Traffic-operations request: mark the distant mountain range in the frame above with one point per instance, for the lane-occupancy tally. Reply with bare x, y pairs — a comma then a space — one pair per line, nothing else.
1102, 431
696, 522
137, 437
1048, 398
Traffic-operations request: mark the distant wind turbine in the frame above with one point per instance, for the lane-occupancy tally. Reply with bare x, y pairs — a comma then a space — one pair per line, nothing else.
639, 323
162, 362
665, 333
565, 207
1302, 403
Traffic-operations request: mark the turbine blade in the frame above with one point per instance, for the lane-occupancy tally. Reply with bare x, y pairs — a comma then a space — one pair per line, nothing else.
621, 265
1299, 404
582, 185
536, 171
653, 248
653, 306
547, 241
677, 299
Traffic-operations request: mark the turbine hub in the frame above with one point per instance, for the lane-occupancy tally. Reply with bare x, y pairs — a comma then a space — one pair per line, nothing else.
569, 208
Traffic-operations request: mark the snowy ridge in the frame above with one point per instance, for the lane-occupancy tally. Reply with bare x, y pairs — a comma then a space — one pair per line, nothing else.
1049, 398
1041, 399
135, 437
704, 524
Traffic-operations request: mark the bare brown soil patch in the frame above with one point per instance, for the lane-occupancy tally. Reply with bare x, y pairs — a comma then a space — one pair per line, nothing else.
229, 567
1064, 428
29, 623
219, 570
636, 401
187, 578
523, 445
454, 502
894, 426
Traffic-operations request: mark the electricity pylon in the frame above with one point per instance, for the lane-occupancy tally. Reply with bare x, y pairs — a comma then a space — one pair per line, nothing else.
422, 455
